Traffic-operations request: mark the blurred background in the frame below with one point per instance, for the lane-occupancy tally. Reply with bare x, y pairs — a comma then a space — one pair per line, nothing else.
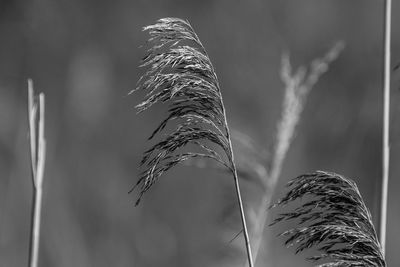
84, 55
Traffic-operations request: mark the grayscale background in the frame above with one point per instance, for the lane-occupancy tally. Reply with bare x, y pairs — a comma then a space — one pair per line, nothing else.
83, 54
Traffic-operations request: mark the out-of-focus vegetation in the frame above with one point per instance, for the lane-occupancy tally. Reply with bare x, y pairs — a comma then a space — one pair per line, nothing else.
84, 54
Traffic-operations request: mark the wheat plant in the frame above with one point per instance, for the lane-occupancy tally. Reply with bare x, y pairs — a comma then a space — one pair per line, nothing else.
180, 73
332, 218
38, 156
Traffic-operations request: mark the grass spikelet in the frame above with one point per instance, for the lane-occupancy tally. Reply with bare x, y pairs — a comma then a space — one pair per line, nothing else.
180, 74
335, 218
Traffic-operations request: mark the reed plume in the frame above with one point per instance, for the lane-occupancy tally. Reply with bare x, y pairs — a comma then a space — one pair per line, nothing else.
337, 221
298, 85
180, 73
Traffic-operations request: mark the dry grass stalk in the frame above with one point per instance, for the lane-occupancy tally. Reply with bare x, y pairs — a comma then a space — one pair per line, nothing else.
386, 122
38, 156
181, 74
333, 219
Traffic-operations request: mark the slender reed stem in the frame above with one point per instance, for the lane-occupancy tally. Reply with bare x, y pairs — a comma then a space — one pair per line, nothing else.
240, 202
236, 179
386, 109
38, 155
234, 170
35, 228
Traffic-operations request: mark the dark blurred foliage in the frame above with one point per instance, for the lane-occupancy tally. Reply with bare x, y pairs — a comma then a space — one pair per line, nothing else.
84, 54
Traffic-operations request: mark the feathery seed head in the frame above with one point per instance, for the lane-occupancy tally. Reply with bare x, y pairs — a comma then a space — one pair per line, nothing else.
180, 74
338, 222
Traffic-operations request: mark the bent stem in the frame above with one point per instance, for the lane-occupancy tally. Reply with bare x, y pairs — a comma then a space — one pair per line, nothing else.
38, 155
385, 134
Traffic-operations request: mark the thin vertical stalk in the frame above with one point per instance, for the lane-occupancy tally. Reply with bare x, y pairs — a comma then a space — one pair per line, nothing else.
234, 170
35, 228
239, 198
386, 109
38, 155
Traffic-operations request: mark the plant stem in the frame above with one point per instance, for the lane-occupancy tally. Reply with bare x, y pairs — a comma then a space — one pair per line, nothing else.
35, 228
237, 187
240, 202
386, 110
245, 231
38, 155
234, 170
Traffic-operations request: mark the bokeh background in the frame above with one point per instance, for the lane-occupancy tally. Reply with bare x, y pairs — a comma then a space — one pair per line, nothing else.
83, 55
